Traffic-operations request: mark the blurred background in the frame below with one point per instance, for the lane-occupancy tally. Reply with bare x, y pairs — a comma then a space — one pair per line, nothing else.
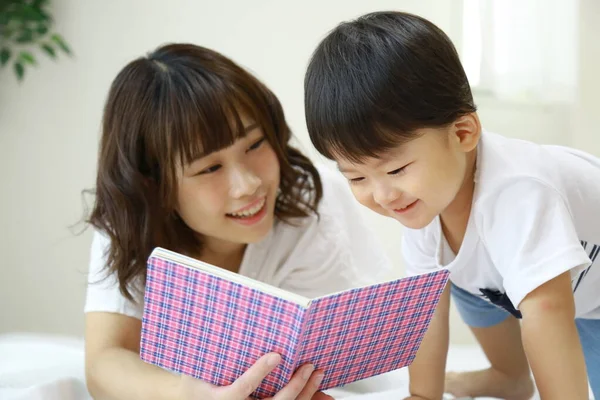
533, 66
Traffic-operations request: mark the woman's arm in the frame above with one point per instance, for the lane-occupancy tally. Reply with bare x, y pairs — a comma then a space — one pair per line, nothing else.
114, 370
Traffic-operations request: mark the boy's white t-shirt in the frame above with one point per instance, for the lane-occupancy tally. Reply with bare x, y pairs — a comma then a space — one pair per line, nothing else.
335, 252
535, 215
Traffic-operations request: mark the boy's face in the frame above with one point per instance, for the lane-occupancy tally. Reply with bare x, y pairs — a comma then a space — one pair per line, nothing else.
416, 181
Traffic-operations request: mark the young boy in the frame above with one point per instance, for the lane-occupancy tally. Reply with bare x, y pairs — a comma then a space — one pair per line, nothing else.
517, 224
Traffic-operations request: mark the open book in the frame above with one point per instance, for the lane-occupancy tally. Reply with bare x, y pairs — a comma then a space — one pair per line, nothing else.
213, 324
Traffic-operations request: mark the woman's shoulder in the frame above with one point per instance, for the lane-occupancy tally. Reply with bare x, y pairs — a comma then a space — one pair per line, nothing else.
99, 251
339, 234
330, 210
103, 292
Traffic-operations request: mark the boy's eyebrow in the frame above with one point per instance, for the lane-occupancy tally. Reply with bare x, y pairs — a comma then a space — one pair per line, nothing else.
344, 170
377, 164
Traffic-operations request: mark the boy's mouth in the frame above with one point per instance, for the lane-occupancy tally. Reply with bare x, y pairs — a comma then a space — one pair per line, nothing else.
406, 208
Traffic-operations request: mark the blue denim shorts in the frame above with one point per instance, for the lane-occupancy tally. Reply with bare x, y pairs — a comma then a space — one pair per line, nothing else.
479, 313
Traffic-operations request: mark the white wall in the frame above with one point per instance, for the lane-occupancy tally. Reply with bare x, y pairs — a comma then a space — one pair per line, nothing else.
49, 125
586, 121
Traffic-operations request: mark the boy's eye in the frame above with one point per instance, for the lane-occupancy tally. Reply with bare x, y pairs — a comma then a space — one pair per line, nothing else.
211, 169
397, 171
257, 144
356, 180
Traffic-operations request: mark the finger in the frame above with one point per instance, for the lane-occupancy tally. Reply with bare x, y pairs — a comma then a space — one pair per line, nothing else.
246, 384
296, 384
312, 386
322, 396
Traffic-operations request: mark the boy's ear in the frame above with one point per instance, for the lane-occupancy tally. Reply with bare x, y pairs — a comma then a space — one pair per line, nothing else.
467, 131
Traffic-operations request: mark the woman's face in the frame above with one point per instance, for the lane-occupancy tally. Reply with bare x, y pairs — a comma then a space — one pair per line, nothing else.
228, 196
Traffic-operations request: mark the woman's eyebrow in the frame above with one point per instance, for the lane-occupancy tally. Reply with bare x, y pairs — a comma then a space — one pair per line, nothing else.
247, 129
250, 127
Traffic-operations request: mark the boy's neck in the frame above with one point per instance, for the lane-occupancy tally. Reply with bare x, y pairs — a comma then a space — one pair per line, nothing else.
455, 217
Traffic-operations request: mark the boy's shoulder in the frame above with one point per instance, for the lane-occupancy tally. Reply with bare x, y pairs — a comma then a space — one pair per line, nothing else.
520, 183
503, 163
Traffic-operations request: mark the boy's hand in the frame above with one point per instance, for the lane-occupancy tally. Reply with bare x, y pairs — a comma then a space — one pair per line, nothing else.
303, 385
551, 340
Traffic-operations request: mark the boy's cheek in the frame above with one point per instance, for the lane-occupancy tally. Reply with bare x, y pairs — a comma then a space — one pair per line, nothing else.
363, 197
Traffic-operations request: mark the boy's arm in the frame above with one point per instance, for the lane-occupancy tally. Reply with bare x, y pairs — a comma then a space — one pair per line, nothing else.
427, 371
551, 340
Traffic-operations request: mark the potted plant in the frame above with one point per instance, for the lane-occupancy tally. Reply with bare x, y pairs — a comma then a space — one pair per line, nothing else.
26, 27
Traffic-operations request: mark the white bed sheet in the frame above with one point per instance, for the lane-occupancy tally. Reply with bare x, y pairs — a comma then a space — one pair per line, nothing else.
41, 367
46, 367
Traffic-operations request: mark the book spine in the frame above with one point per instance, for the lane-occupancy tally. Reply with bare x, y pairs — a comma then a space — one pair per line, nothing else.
302, 337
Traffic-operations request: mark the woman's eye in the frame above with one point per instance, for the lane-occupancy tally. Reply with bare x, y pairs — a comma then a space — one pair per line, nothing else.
257, 144
356, 180
210, 169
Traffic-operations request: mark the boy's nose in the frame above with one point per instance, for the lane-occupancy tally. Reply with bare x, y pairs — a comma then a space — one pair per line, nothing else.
384, 195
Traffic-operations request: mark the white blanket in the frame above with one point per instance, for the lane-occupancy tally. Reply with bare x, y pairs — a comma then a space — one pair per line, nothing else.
45, 367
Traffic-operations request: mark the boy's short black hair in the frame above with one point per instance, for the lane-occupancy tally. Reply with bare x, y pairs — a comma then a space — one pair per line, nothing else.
373, 81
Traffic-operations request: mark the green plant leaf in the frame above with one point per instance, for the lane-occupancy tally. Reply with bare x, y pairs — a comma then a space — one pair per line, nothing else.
42, 29
56, 38
29, 13
4, 56
39, 3
19, 70
27, 58
46, 16
26, 36
48, 49
4, 18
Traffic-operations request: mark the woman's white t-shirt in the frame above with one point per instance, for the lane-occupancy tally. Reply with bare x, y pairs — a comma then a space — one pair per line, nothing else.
321, 255
535, 215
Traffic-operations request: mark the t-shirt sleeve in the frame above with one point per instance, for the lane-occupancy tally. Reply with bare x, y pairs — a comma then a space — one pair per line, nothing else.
338, 250
530, 236
419, 251
103, 293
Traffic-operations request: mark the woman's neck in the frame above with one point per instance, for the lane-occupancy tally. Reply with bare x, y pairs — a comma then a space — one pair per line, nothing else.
223, 254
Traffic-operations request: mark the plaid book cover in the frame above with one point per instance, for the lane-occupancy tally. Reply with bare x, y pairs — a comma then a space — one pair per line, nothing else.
369, 331
213, 329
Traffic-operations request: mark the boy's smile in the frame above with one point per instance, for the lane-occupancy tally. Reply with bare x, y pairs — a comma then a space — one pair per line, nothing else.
415, 181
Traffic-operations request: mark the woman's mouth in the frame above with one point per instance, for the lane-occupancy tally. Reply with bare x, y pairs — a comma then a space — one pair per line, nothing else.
250, 214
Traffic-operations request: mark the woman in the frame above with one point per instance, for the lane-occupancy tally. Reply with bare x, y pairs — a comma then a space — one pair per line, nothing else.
195, 157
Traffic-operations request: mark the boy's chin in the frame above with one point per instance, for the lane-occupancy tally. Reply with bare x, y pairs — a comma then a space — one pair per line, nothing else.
414, 223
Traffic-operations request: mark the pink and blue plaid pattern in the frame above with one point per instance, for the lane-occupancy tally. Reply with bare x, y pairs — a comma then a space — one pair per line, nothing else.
365, 332
214, 329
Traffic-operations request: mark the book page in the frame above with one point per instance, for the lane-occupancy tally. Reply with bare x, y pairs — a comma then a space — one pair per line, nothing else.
230, 276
